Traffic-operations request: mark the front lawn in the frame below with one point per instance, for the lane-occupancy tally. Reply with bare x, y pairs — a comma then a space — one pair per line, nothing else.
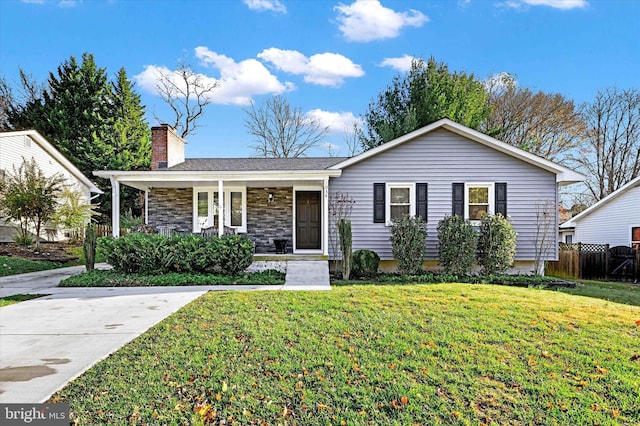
111, 278
613, 291
15, 265
410, 354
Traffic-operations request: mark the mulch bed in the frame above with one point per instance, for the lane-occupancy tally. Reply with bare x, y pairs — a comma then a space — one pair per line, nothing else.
53, 252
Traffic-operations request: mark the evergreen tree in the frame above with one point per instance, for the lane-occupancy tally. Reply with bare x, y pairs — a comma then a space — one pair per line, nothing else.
427, 93
95, 123
129, 138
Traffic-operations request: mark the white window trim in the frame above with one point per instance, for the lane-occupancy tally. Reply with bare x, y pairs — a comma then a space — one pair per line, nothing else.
491, 196
210, 190
412, 198
631, 241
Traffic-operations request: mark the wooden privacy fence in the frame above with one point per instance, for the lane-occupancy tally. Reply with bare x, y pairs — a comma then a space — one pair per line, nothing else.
595, 261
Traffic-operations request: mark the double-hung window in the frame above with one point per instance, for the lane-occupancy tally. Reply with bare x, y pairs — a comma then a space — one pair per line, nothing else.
401, 200
479, 200
206, 211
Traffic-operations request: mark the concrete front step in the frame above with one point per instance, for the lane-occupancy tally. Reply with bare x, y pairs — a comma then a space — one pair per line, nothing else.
307, 275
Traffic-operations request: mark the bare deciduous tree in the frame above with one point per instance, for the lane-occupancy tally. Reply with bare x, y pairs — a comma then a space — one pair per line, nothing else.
546, 124
14, 99
282, 131
611, 155
352, 141
187, 94
546, 233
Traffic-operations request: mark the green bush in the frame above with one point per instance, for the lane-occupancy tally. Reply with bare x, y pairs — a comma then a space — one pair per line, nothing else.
408, 242
496, 244
231, 255
89, 246
154, 254
365, 263
458, 242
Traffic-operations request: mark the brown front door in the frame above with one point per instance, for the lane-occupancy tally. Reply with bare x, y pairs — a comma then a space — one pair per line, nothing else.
308, 219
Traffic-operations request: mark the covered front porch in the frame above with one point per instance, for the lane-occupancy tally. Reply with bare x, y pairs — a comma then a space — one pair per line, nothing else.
266, 207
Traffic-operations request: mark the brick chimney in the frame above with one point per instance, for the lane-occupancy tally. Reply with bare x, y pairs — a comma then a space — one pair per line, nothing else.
167, 148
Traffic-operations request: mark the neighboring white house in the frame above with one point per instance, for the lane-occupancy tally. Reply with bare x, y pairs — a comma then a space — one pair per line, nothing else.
15, 147
614, 220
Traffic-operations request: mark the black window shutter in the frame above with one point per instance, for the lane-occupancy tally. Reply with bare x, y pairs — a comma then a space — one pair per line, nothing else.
379, 202
458, 199
421, 204
501, 199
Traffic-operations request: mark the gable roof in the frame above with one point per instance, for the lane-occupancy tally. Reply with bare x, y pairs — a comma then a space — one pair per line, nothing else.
634, 183
53, 152
564, 175
255, 164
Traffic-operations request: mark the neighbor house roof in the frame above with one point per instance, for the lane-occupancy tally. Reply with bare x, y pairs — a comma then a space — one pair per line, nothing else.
255, 164
564, 175
53, 152
634, 183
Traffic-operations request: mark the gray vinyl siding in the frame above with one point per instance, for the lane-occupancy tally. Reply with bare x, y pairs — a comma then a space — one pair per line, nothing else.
439, 159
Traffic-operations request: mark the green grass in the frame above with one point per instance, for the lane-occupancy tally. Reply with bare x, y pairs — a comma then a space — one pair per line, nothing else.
10, 300
110, 278
14, 265
411, 354
612, 291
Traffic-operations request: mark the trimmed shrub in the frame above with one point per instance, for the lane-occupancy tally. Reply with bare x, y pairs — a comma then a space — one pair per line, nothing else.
365, 263
89, 246
408, 242
496, 244
458, 242
231, 254
152, 254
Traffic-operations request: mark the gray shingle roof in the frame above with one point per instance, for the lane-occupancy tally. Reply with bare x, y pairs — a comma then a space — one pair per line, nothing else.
255, 164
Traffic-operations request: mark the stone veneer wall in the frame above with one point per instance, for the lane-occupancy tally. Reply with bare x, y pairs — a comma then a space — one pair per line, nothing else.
171, 207
266, 221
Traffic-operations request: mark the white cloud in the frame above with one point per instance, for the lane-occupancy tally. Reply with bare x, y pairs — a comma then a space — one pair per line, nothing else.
367, 20
69, 3
556, 4
337, 122
402, 64
32, 1
324, 69
237, 84
263, 5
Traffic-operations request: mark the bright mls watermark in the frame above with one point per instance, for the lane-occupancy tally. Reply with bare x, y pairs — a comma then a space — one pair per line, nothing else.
34, 414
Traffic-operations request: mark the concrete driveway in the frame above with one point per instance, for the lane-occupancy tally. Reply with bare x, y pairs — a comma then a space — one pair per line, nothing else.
46, 342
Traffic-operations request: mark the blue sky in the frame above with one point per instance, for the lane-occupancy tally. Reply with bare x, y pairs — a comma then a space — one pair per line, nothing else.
329, 58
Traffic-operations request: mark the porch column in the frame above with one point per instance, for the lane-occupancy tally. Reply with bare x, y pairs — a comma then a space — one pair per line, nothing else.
325, 217
220, 208
146, 206
115, 207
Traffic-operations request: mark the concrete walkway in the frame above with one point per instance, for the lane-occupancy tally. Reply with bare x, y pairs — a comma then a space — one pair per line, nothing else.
49, 341
307, 275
